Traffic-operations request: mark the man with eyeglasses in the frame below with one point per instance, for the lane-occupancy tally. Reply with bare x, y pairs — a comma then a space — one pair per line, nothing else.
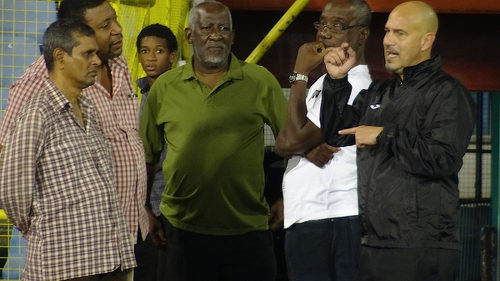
322, 239
211, 112
413, 134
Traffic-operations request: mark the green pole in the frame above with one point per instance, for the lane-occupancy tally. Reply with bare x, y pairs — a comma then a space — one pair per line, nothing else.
495, 168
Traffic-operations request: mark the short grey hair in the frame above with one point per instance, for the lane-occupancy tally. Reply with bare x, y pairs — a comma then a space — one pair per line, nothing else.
198, 5
63, 34
362, 11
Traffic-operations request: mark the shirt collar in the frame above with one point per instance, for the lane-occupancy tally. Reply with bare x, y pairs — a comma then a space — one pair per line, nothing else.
143, 84
416, 72
59, 99
118, 62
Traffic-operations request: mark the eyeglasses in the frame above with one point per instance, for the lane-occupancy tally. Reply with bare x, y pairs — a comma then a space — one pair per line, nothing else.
207, 30
334, 28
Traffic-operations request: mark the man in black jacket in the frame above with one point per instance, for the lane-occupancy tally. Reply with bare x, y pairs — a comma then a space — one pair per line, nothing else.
413, 133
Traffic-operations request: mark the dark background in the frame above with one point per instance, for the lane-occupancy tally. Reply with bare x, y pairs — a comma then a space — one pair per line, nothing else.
469, 44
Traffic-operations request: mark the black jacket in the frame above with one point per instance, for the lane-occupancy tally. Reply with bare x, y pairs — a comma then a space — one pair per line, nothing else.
336, 114
408, 182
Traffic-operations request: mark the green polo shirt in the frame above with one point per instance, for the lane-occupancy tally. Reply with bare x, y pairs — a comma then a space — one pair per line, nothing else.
215, 137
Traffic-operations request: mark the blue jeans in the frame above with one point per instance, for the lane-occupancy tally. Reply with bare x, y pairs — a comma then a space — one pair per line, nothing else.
326, 250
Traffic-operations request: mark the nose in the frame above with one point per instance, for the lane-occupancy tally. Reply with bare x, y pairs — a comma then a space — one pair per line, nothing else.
151, 56
387, 41
324, 33
215, 35
116, 28
96, 60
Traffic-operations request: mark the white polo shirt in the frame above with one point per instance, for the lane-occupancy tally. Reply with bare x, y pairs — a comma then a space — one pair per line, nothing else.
313, 193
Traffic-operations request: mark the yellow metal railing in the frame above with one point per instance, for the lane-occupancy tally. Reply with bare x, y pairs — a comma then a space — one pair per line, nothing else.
277, 30
10, 239
3, 216
11, 244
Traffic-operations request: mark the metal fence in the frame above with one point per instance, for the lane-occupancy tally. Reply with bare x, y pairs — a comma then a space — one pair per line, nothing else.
21, 25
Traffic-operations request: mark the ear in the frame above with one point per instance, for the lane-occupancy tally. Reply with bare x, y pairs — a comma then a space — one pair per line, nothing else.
363, 36
58, 55
172, 57
187, 35
427, 41
364, 33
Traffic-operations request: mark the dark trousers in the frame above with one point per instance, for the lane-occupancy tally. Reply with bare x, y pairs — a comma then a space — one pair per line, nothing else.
146, 255
326, 250
191, 256
415, 264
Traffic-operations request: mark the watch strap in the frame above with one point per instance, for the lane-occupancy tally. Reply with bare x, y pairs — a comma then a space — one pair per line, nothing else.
297, 76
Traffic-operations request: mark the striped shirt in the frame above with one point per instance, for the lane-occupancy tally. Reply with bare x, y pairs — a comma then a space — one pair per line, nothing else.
118, 113
57, 187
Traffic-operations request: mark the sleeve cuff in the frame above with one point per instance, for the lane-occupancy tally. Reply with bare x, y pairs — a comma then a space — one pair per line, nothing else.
336, 83
387, 135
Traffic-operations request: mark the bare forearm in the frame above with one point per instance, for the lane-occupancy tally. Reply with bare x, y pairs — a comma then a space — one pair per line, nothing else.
297, 110
150, 179
300, 134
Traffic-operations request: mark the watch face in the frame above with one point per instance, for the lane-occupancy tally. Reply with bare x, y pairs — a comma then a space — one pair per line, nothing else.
292, 77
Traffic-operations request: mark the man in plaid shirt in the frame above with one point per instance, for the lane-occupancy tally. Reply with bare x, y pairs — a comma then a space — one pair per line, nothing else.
114, 100
57, 183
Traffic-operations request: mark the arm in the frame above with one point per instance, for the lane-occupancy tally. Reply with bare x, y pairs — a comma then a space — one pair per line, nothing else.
155, 229
274, 167
321, 154
152, 138
30, 83
437, 149
18, 162
300, 134
365, 136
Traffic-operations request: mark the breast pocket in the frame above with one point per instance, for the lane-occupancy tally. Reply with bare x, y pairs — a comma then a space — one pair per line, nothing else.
126, 108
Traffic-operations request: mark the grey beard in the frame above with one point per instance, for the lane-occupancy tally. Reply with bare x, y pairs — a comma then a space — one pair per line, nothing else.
215, 60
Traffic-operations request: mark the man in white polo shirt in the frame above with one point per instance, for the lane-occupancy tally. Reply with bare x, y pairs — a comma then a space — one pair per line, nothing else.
320, 188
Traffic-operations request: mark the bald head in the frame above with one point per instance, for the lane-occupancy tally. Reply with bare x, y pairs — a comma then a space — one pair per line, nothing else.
420, 13
410, 33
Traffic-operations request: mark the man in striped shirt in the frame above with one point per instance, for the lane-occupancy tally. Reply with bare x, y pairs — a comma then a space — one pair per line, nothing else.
114, 100
56, 181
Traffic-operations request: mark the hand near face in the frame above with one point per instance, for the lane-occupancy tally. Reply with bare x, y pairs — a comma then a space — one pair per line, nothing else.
309, 57
338, 61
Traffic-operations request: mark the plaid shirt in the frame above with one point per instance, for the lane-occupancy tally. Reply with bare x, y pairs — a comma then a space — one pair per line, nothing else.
118, 113
57, 187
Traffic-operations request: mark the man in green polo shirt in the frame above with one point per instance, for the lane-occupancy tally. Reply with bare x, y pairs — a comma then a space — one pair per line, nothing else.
211, 112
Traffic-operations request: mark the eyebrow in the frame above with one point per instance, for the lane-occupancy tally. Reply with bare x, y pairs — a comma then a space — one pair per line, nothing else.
110, 18
394, 29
